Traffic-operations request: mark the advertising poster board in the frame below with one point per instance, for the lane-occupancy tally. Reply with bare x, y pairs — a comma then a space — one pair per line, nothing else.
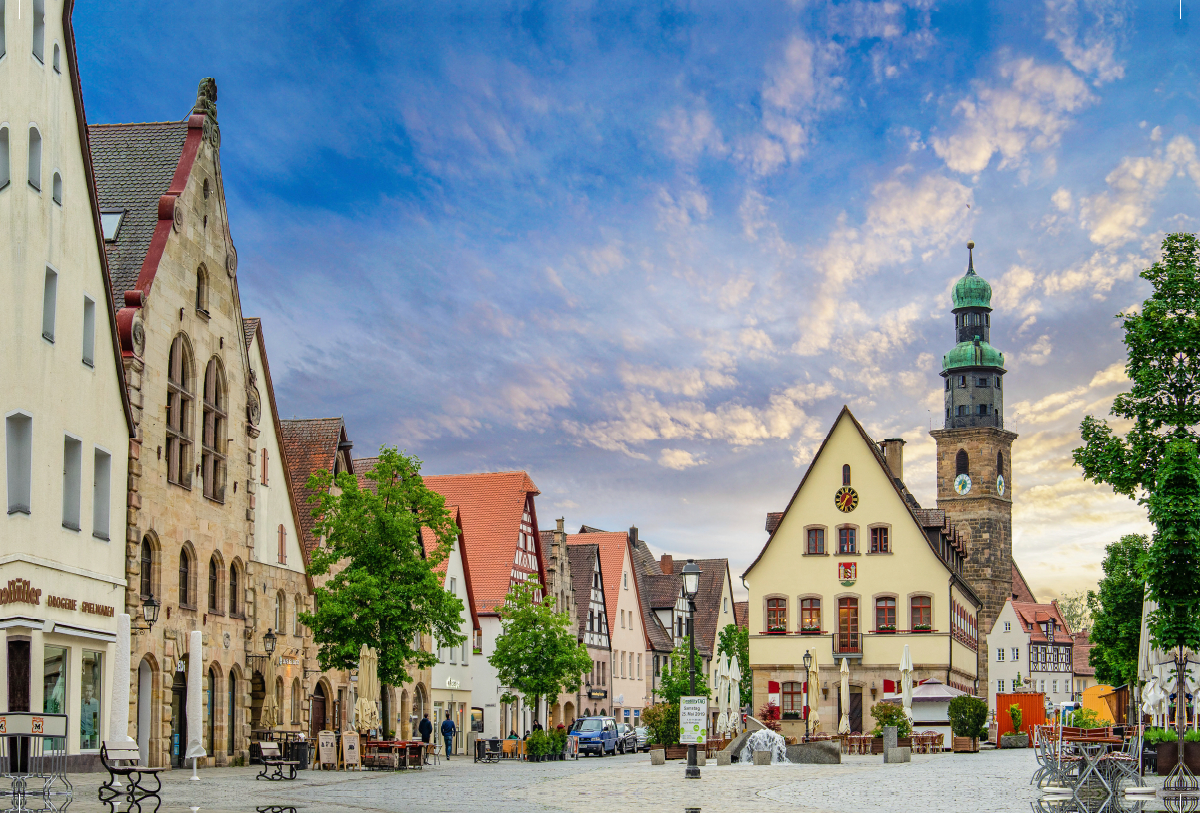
693, 722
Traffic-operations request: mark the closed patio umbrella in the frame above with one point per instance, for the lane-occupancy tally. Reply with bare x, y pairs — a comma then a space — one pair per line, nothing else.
906, 682
195, 703
720, 693
269, 716
814, 694
366, 713
844, 724
735, 695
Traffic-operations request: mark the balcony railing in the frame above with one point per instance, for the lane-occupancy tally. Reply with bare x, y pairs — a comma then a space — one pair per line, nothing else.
847, 643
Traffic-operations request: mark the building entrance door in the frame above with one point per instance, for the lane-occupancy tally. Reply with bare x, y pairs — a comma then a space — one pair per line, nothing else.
856, 720
178, 719
18, 675
317, 715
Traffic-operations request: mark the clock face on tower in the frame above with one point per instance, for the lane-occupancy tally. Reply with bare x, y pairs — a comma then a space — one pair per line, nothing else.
1000, 484
962, 484
846, 499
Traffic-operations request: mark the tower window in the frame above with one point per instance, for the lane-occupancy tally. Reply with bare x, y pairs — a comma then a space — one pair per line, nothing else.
982, 409
846, 474
981, 382
947, 383
35, 159
997, 382
1000, 463
39, 30
962, 410
961, 463
962, 381
4, 171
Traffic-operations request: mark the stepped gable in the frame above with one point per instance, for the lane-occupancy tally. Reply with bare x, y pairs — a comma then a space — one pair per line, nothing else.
491, 506
312, 445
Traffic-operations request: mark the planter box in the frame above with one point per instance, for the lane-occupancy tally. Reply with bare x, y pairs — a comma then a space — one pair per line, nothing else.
901, 742
676, 751
964, 745
1014, 741
810, 632
1168, 753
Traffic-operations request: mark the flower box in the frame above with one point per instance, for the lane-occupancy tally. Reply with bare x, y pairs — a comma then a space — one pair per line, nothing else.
777, 631
922, 628
791, 715
964, 745
675, 751
811, 631
886, 629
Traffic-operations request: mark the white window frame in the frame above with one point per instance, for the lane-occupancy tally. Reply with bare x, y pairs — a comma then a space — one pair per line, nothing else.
18, 452
72, 490
101, 492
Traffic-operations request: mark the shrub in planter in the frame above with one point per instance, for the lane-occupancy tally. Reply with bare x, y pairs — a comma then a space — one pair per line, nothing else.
968, 718
538, 745
886, 714
663, 721
1085, 718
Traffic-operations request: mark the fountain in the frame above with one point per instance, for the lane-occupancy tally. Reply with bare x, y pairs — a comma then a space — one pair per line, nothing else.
764, 740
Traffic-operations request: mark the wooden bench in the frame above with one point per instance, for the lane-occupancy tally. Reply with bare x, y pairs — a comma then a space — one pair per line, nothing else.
121, 759
272, 758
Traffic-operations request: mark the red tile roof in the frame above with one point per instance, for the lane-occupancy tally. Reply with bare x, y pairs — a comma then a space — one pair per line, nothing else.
773, 520
1032, 615
741, 613
713, 574
612, 547
311, 445
1020, 587
249, 328
1080, 653
490, 507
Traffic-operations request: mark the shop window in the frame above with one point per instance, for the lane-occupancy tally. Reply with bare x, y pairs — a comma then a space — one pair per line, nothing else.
54, 687
816, 541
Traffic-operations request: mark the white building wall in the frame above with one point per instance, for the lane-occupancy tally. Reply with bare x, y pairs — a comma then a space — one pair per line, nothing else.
452, 675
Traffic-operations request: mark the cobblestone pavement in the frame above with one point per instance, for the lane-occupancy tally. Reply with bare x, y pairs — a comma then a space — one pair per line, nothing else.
947, 783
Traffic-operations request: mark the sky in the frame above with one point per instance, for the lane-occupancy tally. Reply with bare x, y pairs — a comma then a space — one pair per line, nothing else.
646, 251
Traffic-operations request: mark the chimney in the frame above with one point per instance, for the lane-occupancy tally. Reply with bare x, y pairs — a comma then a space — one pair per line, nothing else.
893, 453
633, 535
667, 564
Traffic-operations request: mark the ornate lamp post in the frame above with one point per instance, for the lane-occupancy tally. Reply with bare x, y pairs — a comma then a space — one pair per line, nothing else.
257, 661
691, 586
807, 677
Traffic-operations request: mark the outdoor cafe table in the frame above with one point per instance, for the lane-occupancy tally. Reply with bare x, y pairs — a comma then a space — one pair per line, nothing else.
1092, 749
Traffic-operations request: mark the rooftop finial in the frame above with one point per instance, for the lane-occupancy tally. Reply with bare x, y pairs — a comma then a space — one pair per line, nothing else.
970, 256
206, 97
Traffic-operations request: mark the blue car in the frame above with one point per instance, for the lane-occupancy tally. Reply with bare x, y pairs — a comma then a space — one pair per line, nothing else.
596, 735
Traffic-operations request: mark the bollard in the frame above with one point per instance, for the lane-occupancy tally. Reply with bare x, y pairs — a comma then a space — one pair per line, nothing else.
723, 758
762, 757
658, 757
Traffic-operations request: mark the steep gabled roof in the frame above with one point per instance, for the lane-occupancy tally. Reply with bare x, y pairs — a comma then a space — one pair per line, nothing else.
311, 445
1020, 587
644, 567
250, 325
1080, 654
741, 613
583, 565
612, 555
491, 505
1032, 616
713, 575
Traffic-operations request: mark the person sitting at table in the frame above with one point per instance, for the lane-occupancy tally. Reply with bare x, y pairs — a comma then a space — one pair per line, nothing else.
512, 734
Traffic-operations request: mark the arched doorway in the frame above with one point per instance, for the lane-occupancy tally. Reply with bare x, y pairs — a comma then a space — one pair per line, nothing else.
178, 719
316, 715
145, 708
569, 713
231, 714
420, 706
258, 691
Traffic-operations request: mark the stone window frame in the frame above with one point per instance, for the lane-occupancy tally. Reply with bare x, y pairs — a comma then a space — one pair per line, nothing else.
236, 598
887, 526
824, 539
297, 608
181, 404
803, 597
786, 611
202, 291
920, 594
851, 526
150, 541
192, 586
215, 430
219, 606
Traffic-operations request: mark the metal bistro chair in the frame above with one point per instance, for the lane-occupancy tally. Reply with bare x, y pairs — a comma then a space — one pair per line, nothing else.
33, 759
1127, 762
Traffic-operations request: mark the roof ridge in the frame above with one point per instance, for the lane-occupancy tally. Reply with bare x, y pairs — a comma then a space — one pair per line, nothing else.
134, 123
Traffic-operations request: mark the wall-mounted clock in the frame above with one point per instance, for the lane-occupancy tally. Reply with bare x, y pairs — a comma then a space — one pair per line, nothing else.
1000, 484
846, 499
962, 484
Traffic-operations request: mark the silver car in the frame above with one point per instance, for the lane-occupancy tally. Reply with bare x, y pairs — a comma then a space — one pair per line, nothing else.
643, 738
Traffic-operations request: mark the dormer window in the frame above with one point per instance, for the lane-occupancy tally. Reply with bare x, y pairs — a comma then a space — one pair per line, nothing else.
110, 223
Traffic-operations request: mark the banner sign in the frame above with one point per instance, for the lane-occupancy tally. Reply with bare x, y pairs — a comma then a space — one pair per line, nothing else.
693, 720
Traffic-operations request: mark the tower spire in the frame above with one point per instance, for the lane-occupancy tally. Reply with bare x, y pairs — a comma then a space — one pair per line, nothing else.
971, 258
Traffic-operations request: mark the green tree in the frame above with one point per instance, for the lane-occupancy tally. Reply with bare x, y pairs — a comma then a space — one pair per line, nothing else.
1074, 609
1163, 344
382, 590
1116, 609
735, 640
538, 653
676, 681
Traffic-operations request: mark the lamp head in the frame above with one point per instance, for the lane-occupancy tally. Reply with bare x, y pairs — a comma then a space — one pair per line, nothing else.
807, 660
269, 641
150, 608
691, 578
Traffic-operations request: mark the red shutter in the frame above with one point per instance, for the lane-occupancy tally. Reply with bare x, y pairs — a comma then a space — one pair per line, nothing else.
772, 687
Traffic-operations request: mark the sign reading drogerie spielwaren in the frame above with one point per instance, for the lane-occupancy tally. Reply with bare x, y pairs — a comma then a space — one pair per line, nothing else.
693, 723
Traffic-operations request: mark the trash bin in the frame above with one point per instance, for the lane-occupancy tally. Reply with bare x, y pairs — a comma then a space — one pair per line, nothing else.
299, 751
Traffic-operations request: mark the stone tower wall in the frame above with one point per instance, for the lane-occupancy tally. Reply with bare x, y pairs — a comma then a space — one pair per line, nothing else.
983, 517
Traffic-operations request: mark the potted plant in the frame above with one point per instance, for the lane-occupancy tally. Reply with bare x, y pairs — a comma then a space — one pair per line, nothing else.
922, 628
1166, 746
810, 629
886, 628
769, 716
1017, 739
887, 714
968, 716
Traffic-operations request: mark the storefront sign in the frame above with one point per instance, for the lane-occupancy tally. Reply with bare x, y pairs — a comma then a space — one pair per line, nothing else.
693, 725
19, 592
285, 660
97, 609
451, 683
350, 752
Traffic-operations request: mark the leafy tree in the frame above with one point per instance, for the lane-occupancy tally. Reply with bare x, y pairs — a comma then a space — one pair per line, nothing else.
1074, 609
382, 589
735, 640
537, 651
1163, 343
663, 721
676, 681
886, 714
1116, 609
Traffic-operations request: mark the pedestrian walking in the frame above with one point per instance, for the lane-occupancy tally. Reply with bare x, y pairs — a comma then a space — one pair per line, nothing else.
426, 728
449, 729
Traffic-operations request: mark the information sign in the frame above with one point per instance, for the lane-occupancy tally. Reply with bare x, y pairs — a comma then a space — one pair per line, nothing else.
693, 720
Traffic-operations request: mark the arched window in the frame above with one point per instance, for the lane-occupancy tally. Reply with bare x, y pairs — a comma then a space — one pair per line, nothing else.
179, 413
280, 613
295, 701
846, 474
5, 173
297, 630
211, 695
39, 30
185, 577
960, 462
1000, 464
35, 159
212, 585
282, 545
279, 696
56, 186
202, 290
212, 443
231, 711
147, 563
233, 589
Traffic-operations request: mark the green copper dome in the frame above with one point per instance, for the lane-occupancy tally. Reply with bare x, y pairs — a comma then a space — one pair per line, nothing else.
972, 291
970, 354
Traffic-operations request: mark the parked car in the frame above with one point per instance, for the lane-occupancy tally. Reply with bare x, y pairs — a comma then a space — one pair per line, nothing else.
596, 735
627, 739
643, 738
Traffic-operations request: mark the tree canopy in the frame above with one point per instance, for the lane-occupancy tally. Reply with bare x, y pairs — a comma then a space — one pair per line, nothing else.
1163, 343
1173, 563
1116, 608
676, 681
735, 640
538, 652
381, 589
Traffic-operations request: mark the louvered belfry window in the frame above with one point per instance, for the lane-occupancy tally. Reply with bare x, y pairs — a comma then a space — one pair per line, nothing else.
212, 444
179, 414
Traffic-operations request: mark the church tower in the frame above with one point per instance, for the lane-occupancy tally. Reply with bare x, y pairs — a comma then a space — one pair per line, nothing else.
974, 472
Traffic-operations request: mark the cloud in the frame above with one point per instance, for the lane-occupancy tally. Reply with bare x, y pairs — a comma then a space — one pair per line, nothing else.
691, 383
1037, 353
1026, 110
678, 459
1096, 273
689, 135
1086, 31
1117, 215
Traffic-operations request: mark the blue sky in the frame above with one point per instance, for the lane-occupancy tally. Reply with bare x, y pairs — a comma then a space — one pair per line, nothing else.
646, 252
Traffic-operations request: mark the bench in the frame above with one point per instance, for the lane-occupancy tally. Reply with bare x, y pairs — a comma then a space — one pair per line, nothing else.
121, 759
273, 758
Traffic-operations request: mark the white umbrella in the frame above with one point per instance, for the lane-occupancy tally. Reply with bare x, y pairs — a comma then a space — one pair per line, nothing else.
195, 713
844, 724
118, 715
906, 680
366, 713
814, 694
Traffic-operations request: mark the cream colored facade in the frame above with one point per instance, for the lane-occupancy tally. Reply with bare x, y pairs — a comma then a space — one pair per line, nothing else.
67, 427
629, 647
921, 564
